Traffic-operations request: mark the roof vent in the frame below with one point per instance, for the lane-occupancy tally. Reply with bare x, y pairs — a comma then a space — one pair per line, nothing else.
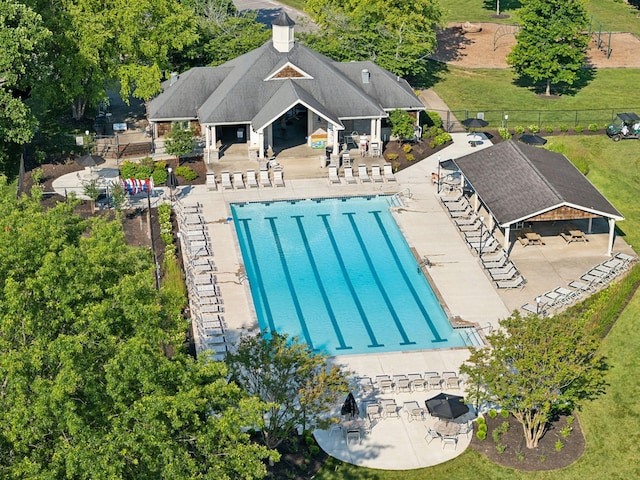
366, 76
282, 33
174, 78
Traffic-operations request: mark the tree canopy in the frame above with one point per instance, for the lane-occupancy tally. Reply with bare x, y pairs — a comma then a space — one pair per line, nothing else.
180, 140
552, 43
537, 367
87, 388
297, 386
396, 35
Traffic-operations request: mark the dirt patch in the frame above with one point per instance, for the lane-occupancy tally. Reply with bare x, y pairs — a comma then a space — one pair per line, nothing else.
489, 48
549, 455
420, 150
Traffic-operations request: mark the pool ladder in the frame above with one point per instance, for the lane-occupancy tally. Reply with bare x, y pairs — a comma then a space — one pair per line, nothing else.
400, 197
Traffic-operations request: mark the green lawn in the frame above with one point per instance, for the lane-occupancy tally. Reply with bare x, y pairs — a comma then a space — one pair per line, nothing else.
494, 92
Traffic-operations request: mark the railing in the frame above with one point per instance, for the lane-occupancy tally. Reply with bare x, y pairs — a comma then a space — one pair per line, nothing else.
401, 195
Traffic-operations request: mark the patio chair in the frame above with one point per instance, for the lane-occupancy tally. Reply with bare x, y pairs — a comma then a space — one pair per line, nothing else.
508, 275
264, 177
434, 380
414, 412
278, 179
472, 220
373, 411
362, 173
402, 383
582, 287
431, 435
388, 172
366, 385
333, 174
226, 180
503, 261
375, 174
348, 175
508, 270
390, 408
251, 179
466, 429
238, 180
418, 384
451, 441
451, 380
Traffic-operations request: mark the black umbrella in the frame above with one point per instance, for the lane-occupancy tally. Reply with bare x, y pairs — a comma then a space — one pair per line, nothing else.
350, 406
474, 123
446, 406
172, 182
89, 160
531, 139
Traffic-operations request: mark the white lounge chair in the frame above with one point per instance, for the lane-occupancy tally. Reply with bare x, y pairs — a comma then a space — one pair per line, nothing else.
264, 178
226, 180
348, 175
362, 173
251, 179
333, 174
517, 282
238, 181
375, 174
388, 172
278, 179
434, 380
418, 384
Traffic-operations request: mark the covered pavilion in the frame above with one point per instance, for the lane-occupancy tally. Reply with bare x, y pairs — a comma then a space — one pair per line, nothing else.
519, 184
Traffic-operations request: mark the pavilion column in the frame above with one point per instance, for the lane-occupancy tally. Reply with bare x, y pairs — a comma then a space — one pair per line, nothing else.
336, 142
261, 143
507, 235
589, 225
270, 136
612, 233
310, 117
207, 137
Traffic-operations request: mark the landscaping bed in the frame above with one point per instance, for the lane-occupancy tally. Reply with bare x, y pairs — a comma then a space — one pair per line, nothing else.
511, 451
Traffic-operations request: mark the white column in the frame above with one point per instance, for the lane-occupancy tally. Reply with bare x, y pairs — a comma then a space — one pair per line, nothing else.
507, 234
261, 143
612, 233
336, 144
270, 135
590, 225
214, 140
310, 116
207, 137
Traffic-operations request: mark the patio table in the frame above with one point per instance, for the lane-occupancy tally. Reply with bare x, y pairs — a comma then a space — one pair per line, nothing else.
447, 429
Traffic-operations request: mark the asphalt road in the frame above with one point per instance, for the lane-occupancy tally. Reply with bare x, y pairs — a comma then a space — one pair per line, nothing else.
268, 11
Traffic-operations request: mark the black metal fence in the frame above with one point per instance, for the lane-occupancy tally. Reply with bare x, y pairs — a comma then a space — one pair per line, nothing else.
555, 119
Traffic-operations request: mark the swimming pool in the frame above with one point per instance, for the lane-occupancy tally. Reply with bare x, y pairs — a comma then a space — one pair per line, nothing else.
339, 274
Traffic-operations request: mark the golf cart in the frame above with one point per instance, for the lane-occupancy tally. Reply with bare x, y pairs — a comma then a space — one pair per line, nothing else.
626, 125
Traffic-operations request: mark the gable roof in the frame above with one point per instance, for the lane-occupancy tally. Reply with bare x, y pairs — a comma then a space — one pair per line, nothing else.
239, 90
517, 181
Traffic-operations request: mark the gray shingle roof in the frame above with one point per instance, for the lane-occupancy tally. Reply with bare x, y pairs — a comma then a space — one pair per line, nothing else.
517, 181
238, 92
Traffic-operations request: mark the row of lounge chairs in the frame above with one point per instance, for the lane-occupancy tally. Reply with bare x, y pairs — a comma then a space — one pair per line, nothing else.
205, 299
413, 382
479, 238
251, 179
596, 278
376, 175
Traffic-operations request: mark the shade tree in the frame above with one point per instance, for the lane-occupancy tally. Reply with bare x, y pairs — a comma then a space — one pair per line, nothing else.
552, 42
536, 368
299, 387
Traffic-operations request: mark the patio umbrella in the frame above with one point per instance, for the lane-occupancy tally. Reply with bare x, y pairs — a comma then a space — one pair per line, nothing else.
172, 182
89, 160
350, 406
531, 139
446, 406
474, 123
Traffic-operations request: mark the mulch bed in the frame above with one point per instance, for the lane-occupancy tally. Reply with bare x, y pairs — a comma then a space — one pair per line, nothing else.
516, 455
420, 150
296, 461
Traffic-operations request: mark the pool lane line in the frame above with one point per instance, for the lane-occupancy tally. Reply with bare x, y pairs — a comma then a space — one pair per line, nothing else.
287, 275
260, 284
367, 257
352, 290
416, 297
323, 292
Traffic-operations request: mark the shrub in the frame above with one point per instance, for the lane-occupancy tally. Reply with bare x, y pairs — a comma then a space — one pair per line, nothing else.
519, 130
577, 129
504, 133
481, 421
534, 128
481, 434
520, 456
147, 162
407, 148
496, 436
308, 439
564, 128
593, 127
187, 173
505, 413
395, 165
392, 157
314, 449
501, 448
559, 445
159, 176
435, 131
570, 420
37, 174
493, 413
442, 138
548, 129
143, 172
410, 157
433, 119
482, 427
128, 169
566, 431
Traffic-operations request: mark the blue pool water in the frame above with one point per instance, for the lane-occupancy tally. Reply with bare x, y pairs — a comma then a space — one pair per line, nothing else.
339, 274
